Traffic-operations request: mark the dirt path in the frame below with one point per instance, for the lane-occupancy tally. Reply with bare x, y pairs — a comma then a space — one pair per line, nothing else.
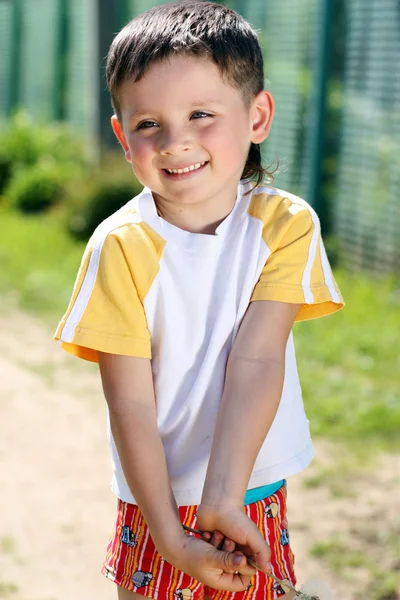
55, 504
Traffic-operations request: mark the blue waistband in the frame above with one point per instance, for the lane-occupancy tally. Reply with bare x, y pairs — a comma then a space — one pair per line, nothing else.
259, 493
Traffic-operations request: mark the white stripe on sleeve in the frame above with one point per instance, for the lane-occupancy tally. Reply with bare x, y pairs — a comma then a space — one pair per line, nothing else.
328, 274
81, 302
306, 281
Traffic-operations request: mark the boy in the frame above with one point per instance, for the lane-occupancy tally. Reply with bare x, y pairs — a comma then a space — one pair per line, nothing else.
186, 297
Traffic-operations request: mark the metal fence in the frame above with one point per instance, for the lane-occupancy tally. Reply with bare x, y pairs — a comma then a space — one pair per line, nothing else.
367, 206
49, 60
332, 68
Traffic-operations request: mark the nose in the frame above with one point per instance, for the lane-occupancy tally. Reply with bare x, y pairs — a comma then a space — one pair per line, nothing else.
174, 141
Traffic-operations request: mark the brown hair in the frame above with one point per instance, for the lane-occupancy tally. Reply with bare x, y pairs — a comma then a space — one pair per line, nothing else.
197, 28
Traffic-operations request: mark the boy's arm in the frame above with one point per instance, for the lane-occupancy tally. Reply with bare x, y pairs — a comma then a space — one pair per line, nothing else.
128, 388
252, 392
129, 391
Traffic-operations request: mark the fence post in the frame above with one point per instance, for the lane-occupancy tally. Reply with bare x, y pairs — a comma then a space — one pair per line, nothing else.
15, 80
110, 15
124, 13
319, 101
59, 102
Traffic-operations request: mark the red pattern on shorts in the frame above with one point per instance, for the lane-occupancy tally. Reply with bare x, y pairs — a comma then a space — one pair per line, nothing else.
133, 562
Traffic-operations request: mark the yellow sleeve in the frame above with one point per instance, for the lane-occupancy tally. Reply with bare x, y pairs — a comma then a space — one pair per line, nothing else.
297, 269
105, 312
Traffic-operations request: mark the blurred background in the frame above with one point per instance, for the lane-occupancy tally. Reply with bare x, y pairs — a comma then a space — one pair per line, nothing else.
333, 68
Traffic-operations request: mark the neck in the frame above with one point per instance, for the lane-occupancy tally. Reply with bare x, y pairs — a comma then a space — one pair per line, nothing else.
203, 217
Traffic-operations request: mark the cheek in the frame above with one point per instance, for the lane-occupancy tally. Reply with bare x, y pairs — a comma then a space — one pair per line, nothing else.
227, 143
142, 153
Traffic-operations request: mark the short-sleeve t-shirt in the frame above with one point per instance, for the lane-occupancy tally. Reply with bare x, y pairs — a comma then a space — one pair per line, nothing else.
148, 289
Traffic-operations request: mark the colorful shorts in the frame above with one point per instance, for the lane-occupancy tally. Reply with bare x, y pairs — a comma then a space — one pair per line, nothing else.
133, 562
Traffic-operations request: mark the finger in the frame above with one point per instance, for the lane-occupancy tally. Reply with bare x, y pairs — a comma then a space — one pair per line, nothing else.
248, 552
245, 580
232, 561
217, 539
235, 570
263, 559
230, 542
244, 568
206, 536
228, 545
233, 583
260, 551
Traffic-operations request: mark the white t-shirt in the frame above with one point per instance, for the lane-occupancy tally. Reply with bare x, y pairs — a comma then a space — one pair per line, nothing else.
146, 288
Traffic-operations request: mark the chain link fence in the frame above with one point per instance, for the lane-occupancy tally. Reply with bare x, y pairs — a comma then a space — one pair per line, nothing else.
6, 52
367, 206
333, 70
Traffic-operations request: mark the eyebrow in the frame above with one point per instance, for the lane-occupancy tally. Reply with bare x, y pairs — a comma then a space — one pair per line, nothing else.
207, 101
197, 104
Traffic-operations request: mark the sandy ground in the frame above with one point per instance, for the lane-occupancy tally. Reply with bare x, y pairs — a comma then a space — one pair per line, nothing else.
56, 507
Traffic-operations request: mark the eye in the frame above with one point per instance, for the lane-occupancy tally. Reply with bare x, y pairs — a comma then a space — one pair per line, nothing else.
146, 125
200, 114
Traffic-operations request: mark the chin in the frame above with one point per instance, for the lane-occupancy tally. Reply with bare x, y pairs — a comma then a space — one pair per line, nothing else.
184, 197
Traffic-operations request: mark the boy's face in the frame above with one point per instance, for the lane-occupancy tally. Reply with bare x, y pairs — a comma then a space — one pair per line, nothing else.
181, 115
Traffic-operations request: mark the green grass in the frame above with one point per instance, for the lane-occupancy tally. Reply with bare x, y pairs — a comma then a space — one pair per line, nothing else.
7, 545
349, 362
7, 589
39, 261
379, 577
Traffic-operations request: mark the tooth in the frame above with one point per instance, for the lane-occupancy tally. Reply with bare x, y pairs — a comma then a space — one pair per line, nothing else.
187, 169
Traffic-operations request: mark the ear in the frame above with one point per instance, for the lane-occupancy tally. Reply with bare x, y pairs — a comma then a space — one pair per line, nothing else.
117, 128
262, 114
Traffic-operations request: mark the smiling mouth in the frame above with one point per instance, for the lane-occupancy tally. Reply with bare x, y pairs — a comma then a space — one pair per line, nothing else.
194, 167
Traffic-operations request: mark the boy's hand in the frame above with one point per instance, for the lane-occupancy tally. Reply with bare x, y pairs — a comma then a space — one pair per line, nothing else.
215, 568
229, 528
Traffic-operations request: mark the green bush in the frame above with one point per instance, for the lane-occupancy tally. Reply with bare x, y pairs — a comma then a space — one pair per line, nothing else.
32, 158
44, 164
36, 188
5, 170
25, 142
20, 140
99, 200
